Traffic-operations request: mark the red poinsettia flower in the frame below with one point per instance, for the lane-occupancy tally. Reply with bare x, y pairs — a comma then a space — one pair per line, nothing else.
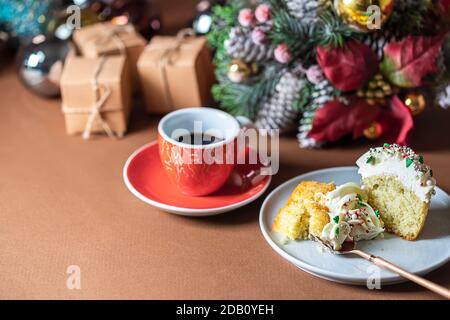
444, 6
350, 67
408, 62
336, 119
396, 122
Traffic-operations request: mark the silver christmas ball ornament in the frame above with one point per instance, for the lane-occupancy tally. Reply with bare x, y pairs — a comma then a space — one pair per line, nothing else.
40, 64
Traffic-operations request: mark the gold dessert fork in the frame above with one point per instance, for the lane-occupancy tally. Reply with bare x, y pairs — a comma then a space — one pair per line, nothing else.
350, 248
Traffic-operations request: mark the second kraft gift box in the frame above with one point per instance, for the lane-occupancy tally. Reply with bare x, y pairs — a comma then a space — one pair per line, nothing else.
176, 72
106, 39
96, 95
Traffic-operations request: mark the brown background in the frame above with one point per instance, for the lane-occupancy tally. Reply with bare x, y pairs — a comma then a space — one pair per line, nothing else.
63, 202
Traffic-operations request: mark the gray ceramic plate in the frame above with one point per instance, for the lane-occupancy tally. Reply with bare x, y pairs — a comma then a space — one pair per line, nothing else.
431, 251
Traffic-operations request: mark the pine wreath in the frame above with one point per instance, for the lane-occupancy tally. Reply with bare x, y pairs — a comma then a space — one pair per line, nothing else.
298, 60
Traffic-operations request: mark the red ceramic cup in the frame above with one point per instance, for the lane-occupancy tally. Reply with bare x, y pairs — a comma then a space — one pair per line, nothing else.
197, 168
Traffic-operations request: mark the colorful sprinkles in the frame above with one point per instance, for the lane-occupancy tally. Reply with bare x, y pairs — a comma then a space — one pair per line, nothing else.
411, 158
360, 201
409, 162
371, 159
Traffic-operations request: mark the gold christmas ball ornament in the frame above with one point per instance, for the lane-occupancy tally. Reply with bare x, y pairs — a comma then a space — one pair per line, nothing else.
239, 71
364, 15
415, 102
373, 132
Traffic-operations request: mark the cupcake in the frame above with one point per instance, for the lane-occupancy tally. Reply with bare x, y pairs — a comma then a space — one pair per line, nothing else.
400, 185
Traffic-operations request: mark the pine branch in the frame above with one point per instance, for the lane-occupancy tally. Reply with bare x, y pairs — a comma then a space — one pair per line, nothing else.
408, 21
291, 31
332, 31
278, 5
224, 18
245, 98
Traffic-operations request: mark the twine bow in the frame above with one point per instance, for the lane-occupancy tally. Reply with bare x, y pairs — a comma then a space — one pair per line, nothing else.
113, 32
102, 93
165, 59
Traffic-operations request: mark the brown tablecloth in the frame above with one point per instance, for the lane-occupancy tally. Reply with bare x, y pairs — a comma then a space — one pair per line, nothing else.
63, 202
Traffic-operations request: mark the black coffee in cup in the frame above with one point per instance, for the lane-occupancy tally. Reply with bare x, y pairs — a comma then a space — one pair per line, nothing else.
199, 138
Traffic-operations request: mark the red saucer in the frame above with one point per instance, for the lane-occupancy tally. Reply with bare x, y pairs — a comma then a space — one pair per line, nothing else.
145, 177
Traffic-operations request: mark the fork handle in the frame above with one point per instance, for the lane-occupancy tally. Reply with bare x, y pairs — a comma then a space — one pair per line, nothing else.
405, 274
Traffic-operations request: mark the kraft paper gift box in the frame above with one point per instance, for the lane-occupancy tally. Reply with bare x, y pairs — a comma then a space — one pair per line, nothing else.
96, 95
176, 72
105, 38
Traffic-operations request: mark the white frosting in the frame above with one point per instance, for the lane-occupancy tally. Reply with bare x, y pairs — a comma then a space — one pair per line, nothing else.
351, 217
402, 163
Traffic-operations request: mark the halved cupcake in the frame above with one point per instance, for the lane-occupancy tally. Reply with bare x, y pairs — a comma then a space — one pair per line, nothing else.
333, 214
400, 185
305, 212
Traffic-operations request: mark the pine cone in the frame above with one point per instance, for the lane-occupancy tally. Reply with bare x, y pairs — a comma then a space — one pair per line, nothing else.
240, 45
443, 96
305, 9
278, 112
378, 40
441, 82
322, 93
